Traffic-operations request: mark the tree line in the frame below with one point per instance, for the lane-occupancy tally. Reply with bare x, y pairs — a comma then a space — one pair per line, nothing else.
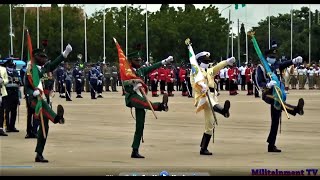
167, 30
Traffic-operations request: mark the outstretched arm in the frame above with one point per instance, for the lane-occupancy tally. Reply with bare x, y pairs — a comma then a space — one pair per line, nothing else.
146, 70
55, 63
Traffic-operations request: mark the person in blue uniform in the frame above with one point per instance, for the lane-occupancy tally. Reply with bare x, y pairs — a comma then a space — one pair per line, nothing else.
93, 81
267, 86
77, 75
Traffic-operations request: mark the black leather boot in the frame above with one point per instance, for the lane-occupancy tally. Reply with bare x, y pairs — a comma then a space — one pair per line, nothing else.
204, 144
164, 104
40, 158
293, 110
135, 154
273, 148
223, 111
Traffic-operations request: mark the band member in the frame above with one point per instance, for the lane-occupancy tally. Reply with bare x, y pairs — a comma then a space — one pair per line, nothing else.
154, 82
182, 75
208, 84
170, 79
233, 79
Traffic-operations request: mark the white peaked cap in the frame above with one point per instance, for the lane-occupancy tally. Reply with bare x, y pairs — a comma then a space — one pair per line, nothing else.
204, 53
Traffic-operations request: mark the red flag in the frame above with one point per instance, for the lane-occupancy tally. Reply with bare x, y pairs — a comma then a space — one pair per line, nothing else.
126, 71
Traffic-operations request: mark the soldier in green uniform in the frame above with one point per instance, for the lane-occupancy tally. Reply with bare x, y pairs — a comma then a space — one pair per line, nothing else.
134, 98
40, 59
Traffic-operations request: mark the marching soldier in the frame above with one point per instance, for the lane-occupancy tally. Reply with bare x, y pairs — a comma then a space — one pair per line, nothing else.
99, 83
22, 73
242, 72
267, 85
34, 93
3, 93
182, 77
134, 98
154, 82
60, 71
294, 76
12, 100
170, 79
162, 78
93, 81
317, 76
114, 78
77, 75
302, 74
249, 80
208, 84
255, 84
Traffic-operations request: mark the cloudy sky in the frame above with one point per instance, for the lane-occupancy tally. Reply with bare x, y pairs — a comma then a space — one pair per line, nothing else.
250, 15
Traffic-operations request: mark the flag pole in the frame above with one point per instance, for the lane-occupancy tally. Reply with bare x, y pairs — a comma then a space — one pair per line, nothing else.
85, 38
126, 29
269, 26
147, 40
61, 28
104, 34
291, 30
245, 27
11, 33
23, 28
309, 34
38, 24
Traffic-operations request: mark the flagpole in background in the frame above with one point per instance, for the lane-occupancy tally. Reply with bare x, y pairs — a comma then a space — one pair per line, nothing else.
85, 37
61, 28
104, 34
126, 29
309, 34
38, 24
239, 41
11, 33
291, 30
228, 46
147, 39
269, 24
245, 27
23, 26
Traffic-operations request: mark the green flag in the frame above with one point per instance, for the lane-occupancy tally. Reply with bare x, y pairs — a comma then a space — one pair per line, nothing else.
237, 6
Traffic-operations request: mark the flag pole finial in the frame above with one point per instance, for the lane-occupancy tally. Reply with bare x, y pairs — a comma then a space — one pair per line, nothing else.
187, 41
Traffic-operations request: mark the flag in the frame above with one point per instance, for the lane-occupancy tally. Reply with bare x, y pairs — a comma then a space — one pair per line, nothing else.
201, 100
266, 66
236, 6
126, 72
33, 74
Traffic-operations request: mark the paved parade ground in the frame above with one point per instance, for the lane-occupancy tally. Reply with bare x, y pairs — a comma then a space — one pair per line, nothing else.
96, 139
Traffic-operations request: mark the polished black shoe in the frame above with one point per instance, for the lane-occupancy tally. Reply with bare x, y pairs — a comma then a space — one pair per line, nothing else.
12, 130
205, 152
300, 106
273, 149
2, 133
68, 100
60, 112
40, 158
135, 154
155, 95
79, 96
165, 100
226, 108
30, 136
100, 96
93, 98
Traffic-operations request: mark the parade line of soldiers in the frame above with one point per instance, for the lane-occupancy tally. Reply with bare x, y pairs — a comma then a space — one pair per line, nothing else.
101, 77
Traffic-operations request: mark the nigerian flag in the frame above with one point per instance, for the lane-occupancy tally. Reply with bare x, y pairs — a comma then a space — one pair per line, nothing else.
201, 100
237, 6
33, 75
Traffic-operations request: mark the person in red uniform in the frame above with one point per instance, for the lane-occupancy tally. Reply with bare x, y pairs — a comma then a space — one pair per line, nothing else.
154, 82
249, 80
170, 76
182, 76
233, 76
162, 78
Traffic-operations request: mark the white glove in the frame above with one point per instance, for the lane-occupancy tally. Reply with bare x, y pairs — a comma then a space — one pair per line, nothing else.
231, 60
1, 80
297, 60
204, 87
36, 93
111, 78
137, 86
67, 51
100, 74
99, 82
167, 61
271, 84
79, 80
147, 63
